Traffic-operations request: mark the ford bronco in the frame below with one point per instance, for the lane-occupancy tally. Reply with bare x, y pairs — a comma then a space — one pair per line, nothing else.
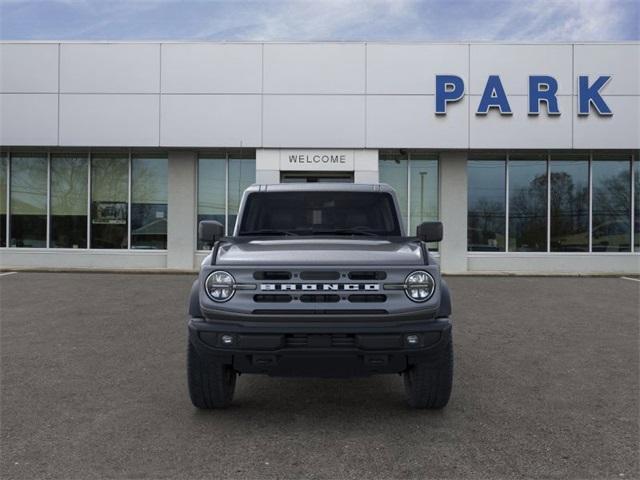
319, 280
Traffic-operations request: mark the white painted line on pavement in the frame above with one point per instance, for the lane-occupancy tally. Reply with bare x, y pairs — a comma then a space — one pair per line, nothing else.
7, 273
632, 279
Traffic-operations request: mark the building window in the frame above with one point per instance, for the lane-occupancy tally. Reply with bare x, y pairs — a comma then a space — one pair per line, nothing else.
528, 203
28, 204
4, 165
569, 208
487, 204
109, 197
68, 208
611, 185
149, 196
414, 177
548, 196
222, 178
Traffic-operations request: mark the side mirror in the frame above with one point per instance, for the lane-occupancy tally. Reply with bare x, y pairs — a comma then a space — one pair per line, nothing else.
209, 231
429, 231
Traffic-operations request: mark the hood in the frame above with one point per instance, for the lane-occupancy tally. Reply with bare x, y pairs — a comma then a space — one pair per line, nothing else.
316, 251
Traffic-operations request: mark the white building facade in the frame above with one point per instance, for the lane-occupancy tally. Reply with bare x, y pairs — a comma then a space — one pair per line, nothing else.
110, 153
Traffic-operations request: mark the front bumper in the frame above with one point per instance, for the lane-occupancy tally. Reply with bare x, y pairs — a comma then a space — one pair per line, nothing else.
320, 349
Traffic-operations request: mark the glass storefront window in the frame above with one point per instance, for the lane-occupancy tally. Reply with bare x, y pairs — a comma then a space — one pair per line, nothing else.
527, 203
569, 221
242, 173
109, 197
217, 199
28, 207
486, 204
611, 184
394, 170
212, 174
69, 181
4, 161
149, 196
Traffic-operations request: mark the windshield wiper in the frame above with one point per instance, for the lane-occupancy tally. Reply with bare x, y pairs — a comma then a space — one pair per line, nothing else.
347, 231
268, 231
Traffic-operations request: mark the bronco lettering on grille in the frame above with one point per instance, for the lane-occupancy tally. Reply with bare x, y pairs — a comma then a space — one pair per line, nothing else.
373, 287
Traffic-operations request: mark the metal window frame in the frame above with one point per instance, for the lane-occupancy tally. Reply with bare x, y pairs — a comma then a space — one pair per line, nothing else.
590, 232
633, 206
129, 205
48, 220
548, 202
506, 202
8, 200
226, 192
89, 160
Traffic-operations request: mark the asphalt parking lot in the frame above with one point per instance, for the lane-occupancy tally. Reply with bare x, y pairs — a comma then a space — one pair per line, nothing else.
93, 386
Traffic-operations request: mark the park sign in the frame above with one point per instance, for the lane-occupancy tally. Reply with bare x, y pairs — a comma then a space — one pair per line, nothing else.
542, 90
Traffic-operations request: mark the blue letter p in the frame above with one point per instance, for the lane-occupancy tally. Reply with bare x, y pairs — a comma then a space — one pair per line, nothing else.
449, 88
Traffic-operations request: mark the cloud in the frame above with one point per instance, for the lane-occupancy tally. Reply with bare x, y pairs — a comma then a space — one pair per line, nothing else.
331, 20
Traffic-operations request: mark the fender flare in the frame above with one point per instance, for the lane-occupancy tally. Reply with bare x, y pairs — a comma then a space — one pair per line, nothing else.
445, 301
194, 300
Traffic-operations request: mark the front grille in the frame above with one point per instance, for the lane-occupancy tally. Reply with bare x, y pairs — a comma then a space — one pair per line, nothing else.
272, 275
308, 298
320, 341
358, 298
266, 298
319, 275
367, 275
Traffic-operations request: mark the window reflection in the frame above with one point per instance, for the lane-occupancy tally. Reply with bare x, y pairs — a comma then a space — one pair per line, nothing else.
149, 196
28, 201
611, 230
393, 170
242, 173
3, 200
528, 203
211, 191
69, 201
109, 197
569, 203
486, 200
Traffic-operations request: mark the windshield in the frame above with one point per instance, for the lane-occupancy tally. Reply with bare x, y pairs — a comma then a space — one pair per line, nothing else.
319, 213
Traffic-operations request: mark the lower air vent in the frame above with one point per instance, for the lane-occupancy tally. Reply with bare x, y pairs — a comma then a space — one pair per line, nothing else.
367, 298
319, 298
272, 275
272, 298
367, 275
320, 341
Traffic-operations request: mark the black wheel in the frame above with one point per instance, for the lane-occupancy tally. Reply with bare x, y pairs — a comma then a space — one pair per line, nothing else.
211, 384
428, 384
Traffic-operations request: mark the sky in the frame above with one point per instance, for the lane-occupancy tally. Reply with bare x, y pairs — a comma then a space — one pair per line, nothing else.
321, 20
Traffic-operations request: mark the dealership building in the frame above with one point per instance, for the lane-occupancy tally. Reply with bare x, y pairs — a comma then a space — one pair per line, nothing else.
110, 153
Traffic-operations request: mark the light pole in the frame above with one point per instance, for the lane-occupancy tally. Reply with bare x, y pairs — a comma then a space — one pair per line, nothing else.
422, 175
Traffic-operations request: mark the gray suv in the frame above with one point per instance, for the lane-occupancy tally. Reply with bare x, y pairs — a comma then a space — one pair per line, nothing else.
319, 280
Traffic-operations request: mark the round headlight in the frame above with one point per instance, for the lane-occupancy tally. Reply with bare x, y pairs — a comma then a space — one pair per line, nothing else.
220, 286
419, 286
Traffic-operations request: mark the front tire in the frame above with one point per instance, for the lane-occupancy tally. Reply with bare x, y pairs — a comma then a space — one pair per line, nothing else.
428, 384
211, 384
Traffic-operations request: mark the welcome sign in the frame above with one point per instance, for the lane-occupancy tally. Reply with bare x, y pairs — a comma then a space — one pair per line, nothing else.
317, 160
